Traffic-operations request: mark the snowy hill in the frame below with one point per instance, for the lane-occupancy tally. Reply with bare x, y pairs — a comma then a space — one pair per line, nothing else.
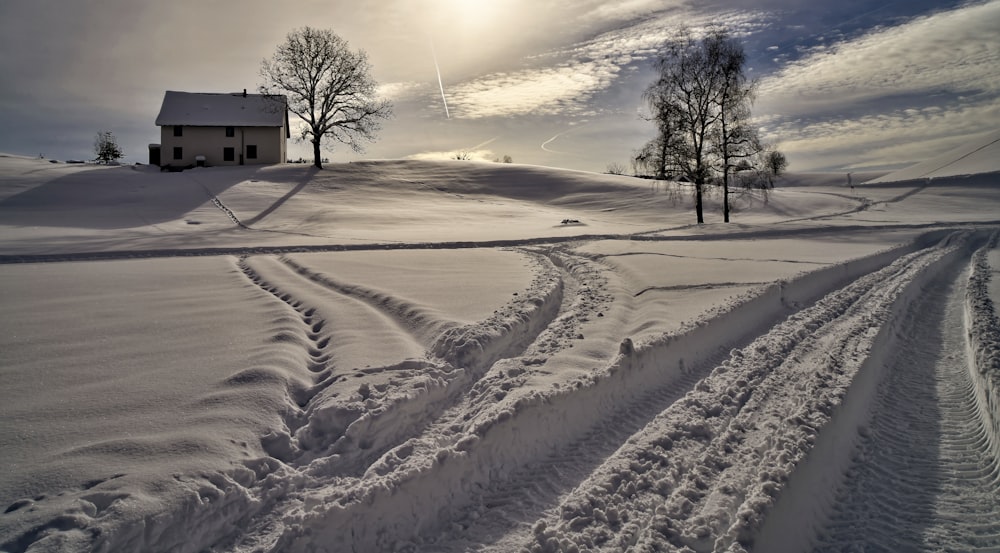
975, 157
457, 356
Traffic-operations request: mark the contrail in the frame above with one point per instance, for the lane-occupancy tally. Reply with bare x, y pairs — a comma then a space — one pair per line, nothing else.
560, 135
440, 83
551, 140
484, 144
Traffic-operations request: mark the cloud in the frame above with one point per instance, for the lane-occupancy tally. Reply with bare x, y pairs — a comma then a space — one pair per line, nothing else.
892, 96
876, 140
402, 89
566, 81
558, 91
953, 52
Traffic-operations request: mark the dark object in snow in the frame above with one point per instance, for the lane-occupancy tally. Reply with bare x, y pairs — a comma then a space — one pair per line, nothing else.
571, 221
626, 348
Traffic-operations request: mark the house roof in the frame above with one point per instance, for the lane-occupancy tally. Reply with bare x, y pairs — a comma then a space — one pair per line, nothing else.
236, 109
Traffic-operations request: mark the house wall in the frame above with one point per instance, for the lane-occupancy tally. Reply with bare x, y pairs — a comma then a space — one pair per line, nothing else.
212, 141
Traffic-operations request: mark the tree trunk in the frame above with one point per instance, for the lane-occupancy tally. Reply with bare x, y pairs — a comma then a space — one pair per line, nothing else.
317, 161
697, 202
725, 196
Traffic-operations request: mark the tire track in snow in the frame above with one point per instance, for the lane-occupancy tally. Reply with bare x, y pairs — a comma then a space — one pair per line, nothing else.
512, 506
464, 353
933, 229
580, 295
357, 430
703, 474
508, 508
428, 485
865, 204
419, 322
926, 476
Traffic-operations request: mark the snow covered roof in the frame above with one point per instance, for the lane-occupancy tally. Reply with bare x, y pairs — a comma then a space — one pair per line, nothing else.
221, 109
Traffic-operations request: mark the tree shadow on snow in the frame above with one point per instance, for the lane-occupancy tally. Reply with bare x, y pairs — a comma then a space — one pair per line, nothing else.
304, 179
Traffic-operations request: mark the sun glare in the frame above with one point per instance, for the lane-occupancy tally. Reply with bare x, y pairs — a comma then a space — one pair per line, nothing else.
468, 14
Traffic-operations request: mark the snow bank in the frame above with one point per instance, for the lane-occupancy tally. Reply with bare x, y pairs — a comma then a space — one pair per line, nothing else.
983, 325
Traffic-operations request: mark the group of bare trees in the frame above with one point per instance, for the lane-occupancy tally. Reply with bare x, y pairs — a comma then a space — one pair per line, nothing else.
700, 104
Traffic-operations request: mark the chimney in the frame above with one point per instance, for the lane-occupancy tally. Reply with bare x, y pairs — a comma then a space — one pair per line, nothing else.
244, 93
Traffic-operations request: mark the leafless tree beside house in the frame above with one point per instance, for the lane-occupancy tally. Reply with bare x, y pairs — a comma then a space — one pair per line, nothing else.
329, 86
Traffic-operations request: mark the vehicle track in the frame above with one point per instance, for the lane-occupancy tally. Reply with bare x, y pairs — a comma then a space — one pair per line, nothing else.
704, 473
581, 296
436, 488
509, 507
506, 508
924, 477
473, 349
319, 358
464, 352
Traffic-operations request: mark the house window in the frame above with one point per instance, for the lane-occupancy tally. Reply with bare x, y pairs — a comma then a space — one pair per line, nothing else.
230, 132
228, 154
178, 152
251, 151
178, 130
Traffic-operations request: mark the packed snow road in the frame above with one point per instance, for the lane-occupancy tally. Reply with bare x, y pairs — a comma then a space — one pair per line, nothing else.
925, 475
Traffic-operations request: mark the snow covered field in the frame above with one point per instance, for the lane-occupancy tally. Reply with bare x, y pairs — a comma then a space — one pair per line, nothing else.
422, 356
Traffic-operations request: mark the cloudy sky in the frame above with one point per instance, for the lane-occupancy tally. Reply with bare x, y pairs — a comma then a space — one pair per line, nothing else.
844, 84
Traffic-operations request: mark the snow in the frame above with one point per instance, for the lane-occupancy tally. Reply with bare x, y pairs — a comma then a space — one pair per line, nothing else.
974, 157
214, 109
422, 356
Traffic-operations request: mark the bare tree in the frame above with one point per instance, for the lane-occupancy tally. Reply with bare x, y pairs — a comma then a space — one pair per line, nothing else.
736, 141
682, 101
775, 163
329, 86
615, 168
106, 148
700, 103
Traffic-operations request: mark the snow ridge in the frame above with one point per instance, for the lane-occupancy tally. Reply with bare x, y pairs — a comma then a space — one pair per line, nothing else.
706, 472
983, 325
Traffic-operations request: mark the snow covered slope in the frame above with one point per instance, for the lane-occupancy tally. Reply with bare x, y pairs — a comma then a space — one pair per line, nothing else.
418, 356
978, 156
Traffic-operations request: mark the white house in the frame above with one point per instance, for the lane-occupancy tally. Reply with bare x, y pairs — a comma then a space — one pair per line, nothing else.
198, 128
